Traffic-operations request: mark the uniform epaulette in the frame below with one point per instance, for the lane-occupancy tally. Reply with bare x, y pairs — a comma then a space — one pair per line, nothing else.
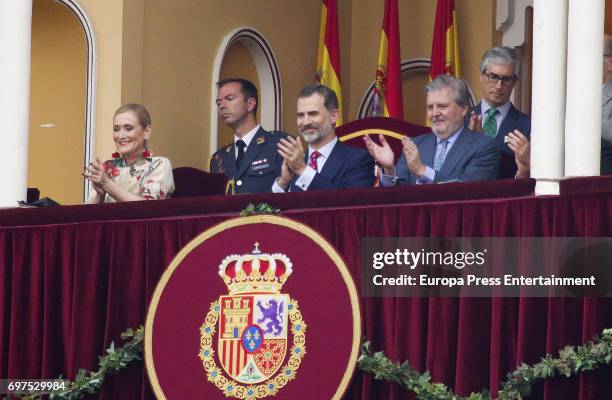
223, 148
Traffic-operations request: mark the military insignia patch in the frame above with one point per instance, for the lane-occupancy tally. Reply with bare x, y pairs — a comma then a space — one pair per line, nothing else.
218, 162
261, 140
252, 327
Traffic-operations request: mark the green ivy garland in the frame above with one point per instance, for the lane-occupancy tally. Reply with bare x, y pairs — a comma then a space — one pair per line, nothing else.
407, 377
571, 361
259, 208
115, 360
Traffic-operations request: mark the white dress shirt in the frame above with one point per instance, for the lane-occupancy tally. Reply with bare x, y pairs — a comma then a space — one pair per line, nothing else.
246, 139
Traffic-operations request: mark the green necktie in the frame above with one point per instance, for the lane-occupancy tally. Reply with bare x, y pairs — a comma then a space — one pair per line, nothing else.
490, 125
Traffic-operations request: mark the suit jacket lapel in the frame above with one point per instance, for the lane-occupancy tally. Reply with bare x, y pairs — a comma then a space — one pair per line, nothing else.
506, 125
334, 162
454, 154
228, 159
252, 151
428, 151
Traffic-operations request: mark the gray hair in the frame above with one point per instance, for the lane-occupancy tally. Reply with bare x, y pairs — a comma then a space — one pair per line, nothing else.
460, 88
500, 55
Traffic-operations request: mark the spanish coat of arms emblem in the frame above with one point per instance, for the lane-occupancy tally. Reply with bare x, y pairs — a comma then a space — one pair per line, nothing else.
253, 339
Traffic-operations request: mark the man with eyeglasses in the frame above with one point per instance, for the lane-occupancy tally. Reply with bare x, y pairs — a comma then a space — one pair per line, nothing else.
606, 103
497, 117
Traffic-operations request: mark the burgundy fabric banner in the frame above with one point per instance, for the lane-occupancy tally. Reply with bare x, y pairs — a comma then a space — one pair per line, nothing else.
267, 304
68, 289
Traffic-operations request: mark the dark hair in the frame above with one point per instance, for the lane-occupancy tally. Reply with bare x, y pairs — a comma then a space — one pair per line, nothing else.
330, 100
247, 88
460, 89
144, 118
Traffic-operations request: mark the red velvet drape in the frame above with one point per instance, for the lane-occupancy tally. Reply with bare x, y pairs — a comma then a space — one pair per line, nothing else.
68, 289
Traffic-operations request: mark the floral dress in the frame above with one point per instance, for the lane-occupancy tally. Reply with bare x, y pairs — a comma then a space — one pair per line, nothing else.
148, 178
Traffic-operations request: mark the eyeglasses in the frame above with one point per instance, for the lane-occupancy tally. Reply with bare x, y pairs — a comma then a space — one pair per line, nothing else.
494, 78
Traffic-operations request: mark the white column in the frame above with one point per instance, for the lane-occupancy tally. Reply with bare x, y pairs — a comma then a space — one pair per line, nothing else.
584, 76
548, 94
15, 44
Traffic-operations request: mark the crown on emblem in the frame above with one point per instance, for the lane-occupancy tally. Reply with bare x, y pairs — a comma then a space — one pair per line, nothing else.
255, 272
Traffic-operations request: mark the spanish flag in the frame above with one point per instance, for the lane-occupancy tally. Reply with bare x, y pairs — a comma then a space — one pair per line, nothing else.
328, 60
444, 50
388, 86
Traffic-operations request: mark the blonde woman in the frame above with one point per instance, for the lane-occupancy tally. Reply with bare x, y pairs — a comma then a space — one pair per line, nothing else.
133, 173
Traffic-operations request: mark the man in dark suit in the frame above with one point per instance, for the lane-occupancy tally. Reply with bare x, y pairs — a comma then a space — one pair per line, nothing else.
329, 164
450, 153
251, 162
497, 117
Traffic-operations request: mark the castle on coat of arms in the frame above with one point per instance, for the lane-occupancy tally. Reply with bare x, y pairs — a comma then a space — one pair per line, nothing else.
236, 316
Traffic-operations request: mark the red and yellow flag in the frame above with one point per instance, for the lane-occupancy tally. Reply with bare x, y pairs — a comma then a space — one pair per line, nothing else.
328, 60
388, 88
444, 50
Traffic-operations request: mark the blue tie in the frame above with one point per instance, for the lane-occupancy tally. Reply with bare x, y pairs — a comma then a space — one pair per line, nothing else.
441, 155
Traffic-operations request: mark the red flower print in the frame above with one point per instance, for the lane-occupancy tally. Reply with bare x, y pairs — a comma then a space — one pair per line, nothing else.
111, 170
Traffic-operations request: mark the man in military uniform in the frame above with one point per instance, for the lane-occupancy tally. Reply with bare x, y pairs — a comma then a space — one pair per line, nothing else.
251, 162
